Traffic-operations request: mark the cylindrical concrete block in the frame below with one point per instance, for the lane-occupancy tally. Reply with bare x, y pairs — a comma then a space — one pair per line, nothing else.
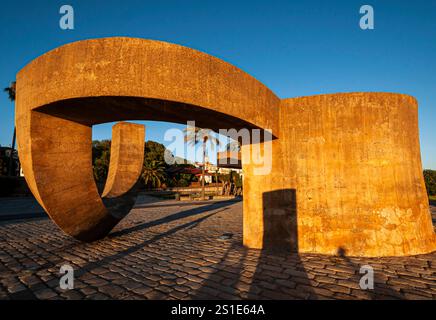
354, 163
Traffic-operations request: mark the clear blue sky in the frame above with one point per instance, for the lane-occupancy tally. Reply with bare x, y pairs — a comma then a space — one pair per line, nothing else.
294, 47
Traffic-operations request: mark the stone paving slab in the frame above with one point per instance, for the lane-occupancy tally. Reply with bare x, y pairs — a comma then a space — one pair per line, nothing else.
173, 250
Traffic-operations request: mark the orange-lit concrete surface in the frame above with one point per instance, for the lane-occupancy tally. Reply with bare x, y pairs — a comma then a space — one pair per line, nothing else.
347, 179
62, 180
127, 157
346, 171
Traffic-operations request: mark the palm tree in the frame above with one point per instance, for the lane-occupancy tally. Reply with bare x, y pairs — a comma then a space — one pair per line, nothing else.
11, 91
153, 173
233, 146
194, 136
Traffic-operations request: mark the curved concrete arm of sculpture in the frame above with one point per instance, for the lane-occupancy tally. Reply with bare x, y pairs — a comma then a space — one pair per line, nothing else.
127, 156
125, 166
61, 94
345, 168
64, 182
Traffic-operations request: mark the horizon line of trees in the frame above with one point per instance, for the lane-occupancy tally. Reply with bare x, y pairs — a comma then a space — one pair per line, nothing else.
156, 173
430, 182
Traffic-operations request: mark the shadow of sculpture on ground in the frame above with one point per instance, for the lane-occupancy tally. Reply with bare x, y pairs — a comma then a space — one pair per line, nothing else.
381, 290
173, 217
280, 248
275, 272
218, 207
141, 245
224, 281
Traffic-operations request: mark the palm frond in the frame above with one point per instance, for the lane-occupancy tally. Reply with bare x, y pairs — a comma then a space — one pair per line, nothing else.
11, 91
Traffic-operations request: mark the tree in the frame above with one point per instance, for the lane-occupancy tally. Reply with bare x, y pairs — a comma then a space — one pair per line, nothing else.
101, 152
154, 165
233, 146
11, 91
153, 174
430, 182
194, 136
154, 151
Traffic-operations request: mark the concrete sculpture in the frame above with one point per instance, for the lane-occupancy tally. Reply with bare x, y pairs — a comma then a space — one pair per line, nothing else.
346, 168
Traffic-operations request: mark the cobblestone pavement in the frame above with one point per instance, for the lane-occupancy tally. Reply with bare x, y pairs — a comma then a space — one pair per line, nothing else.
173, 250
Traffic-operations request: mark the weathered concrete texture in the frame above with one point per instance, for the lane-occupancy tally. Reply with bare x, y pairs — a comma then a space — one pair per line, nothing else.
61, 94
354, 160
127, 157
346, 169
346, 178
63, 179
113, 79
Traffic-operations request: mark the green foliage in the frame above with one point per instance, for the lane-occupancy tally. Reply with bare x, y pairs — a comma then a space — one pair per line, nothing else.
153, 174
101, 152
185, 176
154, 151
11, 91
183, 183
430, 182
101, 166
232, 177
238, 181
153, 154
224, 177
194, 136
180, 179
154, 170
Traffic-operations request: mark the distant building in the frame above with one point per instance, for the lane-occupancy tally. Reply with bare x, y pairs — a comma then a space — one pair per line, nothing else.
219, 169
228, 162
